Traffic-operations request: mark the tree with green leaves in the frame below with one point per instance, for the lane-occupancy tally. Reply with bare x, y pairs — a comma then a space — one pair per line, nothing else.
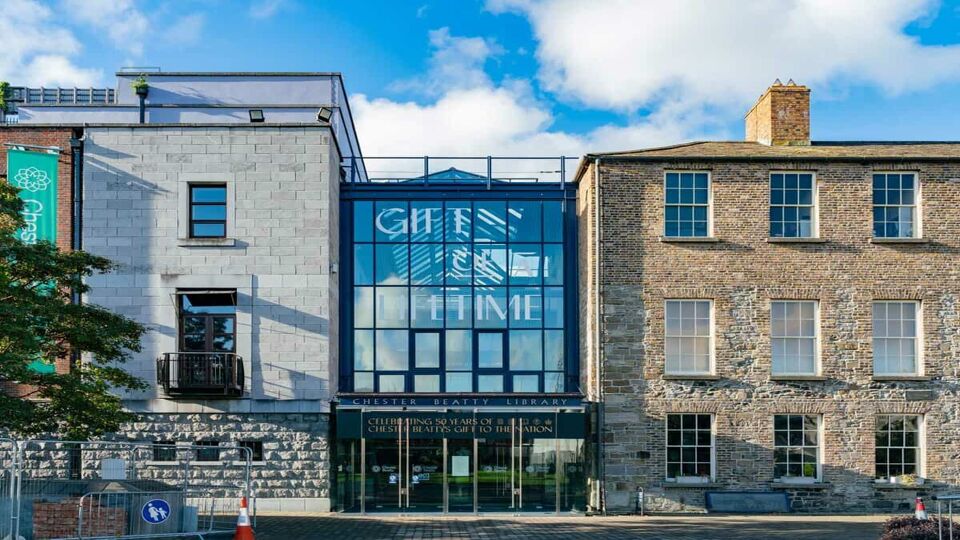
38, 321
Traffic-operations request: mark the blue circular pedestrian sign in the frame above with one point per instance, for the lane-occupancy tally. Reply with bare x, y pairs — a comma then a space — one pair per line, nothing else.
156, 511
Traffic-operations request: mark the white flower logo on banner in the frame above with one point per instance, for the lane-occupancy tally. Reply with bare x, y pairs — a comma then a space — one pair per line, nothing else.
32, 179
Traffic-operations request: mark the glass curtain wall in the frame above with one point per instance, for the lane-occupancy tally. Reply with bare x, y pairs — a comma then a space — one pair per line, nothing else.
458, 296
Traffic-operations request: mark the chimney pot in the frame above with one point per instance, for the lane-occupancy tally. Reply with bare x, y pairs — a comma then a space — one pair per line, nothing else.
781, 117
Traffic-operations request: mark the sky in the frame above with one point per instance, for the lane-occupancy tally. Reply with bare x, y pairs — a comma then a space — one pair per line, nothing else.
531, 77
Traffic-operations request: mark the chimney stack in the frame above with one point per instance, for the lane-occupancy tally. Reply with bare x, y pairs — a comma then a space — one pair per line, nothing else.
781, 117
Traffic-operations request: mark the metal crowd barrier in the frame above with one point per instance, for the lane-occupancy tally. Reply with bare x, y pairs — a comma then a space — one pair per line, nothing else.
949, 499
59, 490
136, 515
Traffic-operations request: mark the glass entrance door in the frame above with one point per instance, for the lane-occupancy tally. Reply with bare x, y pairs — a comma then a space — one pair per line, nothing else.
496, 475
383, 479
424, 475
422, 462
461, 471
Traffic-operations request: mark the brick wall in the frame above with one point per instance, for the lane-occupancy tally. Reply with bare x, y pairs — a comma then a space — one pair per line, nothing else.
46, 136
741, 273
780, 117
59, 519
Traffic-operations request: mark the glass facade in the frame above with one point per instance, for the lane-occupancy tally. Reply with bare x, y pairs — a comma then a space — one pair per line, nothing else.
458, 296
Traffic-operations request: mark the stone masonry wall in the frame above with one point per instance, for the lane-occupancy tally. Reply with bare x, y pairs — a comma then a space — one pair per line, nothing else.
294, 473
279, 252
741, 273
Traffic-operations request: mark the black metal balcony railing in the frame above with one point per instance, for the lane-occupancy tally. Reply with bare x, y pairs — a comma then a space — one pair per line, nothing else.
201, 373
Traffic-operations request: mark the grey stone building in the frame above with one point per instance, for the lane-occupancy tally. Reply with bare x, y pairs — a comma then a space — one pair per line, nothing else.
217, 196
774, 315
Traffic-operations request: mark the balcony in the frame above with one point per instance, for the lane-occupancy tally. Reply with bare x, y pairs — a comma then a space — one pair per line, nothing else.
196, 374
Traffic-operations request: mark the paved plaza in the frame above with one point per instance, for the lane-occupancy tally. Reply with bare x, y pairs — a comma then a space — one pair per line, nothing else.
700, 527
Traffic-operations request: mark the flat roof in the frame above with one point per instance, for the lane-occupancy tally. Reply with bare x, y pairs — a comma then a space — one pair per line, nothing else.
231, 73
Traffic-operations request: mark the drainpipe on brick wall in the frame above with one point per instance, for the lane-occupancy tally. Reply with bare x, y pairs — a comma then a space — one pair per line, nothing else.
76, 218
76, 161
598, 341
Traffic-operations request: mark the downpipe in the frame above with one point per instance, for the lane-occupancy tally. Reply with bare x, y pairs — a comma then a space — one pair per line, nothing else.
598, 343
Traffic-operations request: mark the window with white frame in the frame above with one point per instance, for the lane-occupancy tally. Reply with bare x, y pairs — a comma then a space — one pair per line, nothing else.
895, 197
792, 199
687, 204
898, 445
796, 446
895, 333
793, 337
690, 446
688, 337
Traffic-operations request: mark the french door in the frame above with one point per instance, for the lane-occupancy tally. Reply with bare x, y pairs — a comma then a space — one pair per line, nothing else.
404, 474
516, 474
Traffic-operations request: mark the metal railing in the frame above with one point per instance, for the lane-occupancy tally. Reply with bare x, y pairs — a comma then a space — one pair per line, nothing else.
949, 499
66, 96
484, 171
201, 373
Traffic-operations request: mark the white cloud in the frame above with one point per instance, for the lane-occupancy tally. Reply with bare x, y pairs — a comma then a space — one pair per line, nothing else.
36, 51
470, 115
53, 70
186, 30
626, 54
124, 24
264, 9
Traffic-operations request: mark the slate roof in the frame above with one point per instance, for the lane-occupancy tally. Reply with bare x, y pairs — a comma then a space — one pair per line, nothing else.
818, 150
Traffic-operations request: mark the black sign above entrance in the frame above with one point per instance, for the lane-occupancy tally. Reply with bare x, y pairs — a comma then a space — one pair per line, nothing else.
369, 401
459, 425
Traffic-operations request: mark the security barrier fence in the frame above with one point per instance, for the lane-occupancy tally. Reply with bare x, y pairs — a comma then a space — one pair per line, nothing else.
80, 489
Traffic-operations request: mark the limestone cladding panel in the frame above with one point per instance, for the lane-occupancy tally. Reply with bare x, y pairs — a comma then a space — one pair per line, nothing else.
742, 273
279, 256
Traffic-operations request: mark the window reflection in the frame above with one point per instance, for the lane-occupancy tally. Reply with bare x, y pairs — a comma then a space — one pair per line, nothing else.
392, 347
490, 350
526, 352
484, 277
490, 222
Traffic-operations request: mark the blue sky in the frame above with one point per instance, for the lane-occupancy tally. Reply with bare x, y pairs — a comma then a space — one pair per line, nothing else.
533, 76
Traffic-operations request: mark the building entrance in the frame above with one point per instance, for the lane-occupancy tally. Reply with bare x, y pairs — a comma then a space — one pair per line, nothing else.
460, 461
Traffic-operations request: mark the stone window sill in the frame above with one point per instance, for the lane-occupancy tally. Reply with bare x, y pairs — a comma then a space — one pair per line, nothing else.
899, 241
252, 463
163, 463
206, 242
778, 240
688, 239
207, 463
893, 378
798, 378
799, 485
690, 377
692, 485
888, 485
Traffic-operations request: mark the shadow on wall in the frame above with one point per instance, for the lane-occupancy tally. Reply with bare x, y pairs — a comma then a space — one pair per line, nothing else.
129, 199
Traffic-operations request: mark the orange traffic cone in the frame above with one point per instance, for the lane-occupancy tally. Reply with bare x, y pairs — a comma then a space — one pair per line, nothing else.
921, 512
244, 530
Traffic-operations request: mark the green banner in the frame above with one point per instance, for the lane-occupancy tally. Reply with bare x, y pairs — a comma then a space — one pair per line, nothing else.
35, 173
